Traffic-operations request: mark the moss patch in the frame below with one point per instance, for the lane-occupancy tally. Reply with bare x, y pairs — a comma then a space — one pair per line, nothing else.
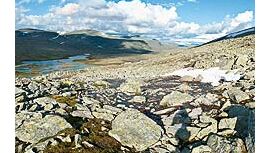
71, 101
96, 136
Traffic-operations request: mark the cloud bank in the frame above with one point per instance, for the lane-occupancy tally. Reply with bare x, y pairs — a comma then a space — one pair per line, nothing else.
136, 17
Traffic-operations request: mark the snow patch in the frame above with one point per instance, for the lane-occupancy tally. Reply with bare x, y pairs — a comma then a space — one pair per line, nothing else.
211, 75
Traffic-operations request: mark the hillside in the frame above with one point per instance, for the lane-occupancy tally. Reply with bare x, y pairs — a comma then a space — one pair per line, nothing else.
194, 100
238, 34
33, 44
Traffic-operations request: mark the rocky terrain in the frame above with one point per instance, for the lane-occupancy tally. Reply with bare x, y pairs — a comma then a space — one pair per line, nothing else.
145, 105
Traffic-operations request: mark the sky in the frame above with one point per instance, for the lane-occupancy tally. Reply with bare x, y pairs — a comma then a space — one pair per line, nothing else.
180, 21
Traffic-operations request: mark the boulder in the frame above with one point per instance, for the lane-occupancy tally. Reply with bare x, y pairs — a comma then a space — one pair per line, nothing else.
209, 129
221, 144
184, 87
242, 60
178, 131
101, 84
134, 129
195, 113
36, 130
227, 123
193, 131
237, 95
20, 94
19, 91
202, 149
138, 99
131, 87
104, 116
25, 116
179, 116
33, 86
176, 98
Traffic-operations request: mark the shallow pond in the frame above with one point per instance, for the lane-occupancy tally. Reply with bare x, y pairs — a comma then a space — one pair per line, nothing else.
30, 68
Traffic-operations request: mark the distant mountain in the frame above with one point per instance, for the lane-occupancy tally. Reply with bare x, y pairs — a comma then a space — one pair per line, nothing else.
34, 44
242, 33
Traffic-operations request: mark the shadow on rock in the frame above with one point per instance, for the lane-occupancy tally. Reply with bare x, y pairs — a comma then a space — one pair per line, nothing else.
181, 119
245, 125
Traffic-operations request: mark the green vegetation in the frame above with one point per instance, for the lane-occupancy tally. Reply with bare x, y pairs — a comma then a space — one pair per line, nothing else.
71, 101
99, 139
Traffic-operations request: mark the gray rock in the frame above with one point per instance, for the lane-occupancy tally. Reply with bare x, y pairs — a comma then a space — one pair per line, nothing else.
176, 98
35, 130
164, 111
33, 86
227, 123
61, 111
77, 139
112, 110
193, 132
138, 99
48, 107
242, 60
82, 113
226, 105
90, 101
25, 116
87, 145
221, 144
211, 97
20, 106
104, 116
202, 149
209, 129
20, 98
133, 129
20, 94
184, 87
19, 91
53, 91
227, 133
187, 78
238, 95
45, 100
131, 87
66, 94
101, 84
245, 125
195, 113
33, 108
177, 130
179, 116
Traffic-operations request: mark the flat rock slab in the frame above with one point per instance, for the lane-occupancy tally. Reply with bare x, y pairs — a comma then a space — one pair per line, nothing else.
134, 129
34, 131
176, 98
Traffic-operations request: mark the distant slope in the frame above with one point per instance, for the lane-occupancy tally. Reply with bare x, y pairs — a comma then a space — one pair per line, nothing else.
238, 34
34, 44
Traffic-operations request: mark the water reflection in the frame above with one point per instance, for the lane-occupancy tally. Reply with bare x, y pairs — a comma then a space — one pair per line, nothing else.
44, 67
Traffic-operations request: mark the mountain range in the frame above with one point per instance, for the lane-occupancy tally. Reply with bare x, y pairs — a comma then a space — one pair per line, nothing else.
35, 44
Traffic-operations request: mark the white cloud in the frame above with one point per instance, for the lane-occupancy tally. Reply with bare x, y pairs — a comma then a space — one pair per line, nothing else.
228, 25
154, 21
242, 18
20, 2
192, 1
68, 9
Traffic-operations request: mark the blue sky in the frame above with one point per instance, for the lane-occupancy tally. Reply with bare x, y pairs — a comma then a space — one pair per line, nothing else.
172, 20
